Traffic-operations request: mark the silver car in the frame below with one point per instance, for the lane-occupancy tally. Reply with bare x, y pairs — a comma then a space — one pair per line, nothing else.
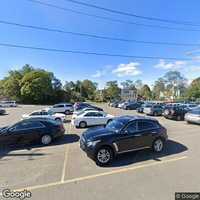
193, 116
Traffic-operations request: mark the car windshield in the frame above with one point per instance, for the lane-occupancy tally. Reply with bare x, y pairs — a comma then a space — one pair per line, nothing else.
81, 112
50, 112
116, 125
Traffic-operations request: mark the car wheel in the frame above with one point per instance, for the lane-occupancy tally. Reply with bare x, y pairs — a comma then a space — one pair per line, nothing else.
178, 118
158, 145
82, 124
109, 121
104, 156
46, 139
58, 120
67, 112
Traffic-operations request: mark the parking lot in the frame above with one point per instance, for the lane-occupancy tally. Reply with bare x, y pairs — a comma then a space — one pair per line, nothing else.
62, 170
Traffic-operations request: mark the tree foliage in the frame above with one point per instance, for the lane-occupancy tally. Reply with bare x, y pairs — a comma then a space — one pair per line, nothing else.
172, 86
194, 89
111, 91
146, 92
31, 85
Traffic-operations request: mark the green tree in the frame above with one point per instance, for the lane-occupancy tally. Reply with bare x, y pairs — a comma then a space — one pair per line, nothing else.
159, 88
194, 89
146, 92
138, 84
128, 84
175, 84
36, 87
88, 89
111, 91
11, 85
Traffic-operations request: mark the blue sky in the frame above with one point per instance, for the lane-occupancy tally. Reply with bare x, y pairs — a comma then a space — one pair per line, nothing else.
100, 69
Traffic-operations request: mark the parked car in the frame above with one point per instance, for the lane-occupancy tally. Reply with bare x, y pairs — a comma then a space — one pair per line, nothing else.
140, 109
131, 105
121, 135
27, 131
45, 114
190, 106
2, 111
114, 104
176, 112
91, 118
146, 105
8, 104
193, 116
78, 112
66, 108
121, 104
81, 105
155, 110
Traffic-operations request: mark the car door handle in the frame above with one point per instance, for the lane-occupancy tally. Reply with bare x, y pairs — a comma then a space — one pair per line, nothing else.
153, 132
138, 135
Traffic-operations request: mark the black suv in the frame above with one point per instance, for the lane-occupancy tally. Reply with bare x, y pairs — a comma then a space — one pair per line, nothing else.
121, 135
176, 112
131, 106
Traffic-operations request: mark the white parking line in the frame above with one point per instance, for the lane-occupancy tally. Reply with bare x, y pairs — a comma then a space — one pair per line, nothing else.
121, 170
66, 157
65, 163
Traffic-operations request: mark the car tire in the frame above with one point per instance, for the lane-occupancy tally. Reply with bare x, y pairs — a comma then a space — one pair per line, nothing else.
104, 156
58, 119
109, 121
46, 139
158, 145
67, 112
82, 124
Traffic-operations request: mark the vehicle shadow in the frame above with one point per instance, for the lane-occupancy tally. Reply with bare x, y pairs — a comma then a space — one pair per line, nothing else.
172, 148
4, 114
6, 151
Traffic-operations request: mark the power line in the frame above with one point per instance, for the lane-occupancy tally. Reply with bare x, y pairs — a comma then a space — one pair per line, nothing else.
94, 36
111, 19
133, 15
90, 53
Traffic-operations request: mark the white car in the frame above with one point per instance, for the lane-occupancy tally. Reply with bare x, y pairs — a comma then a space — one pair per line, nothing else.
45, 114
65, 108
8, 104
76, 113
91, 118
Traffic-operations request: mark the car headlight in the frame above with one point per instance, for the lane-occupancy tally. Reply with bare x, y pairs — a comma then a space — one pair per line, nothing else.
93, 143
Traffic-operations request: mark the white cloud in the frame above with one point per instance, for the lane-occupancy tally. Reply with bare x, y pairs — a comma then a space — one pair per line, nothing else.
98, 74
102, 72
171, 65
130, 69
